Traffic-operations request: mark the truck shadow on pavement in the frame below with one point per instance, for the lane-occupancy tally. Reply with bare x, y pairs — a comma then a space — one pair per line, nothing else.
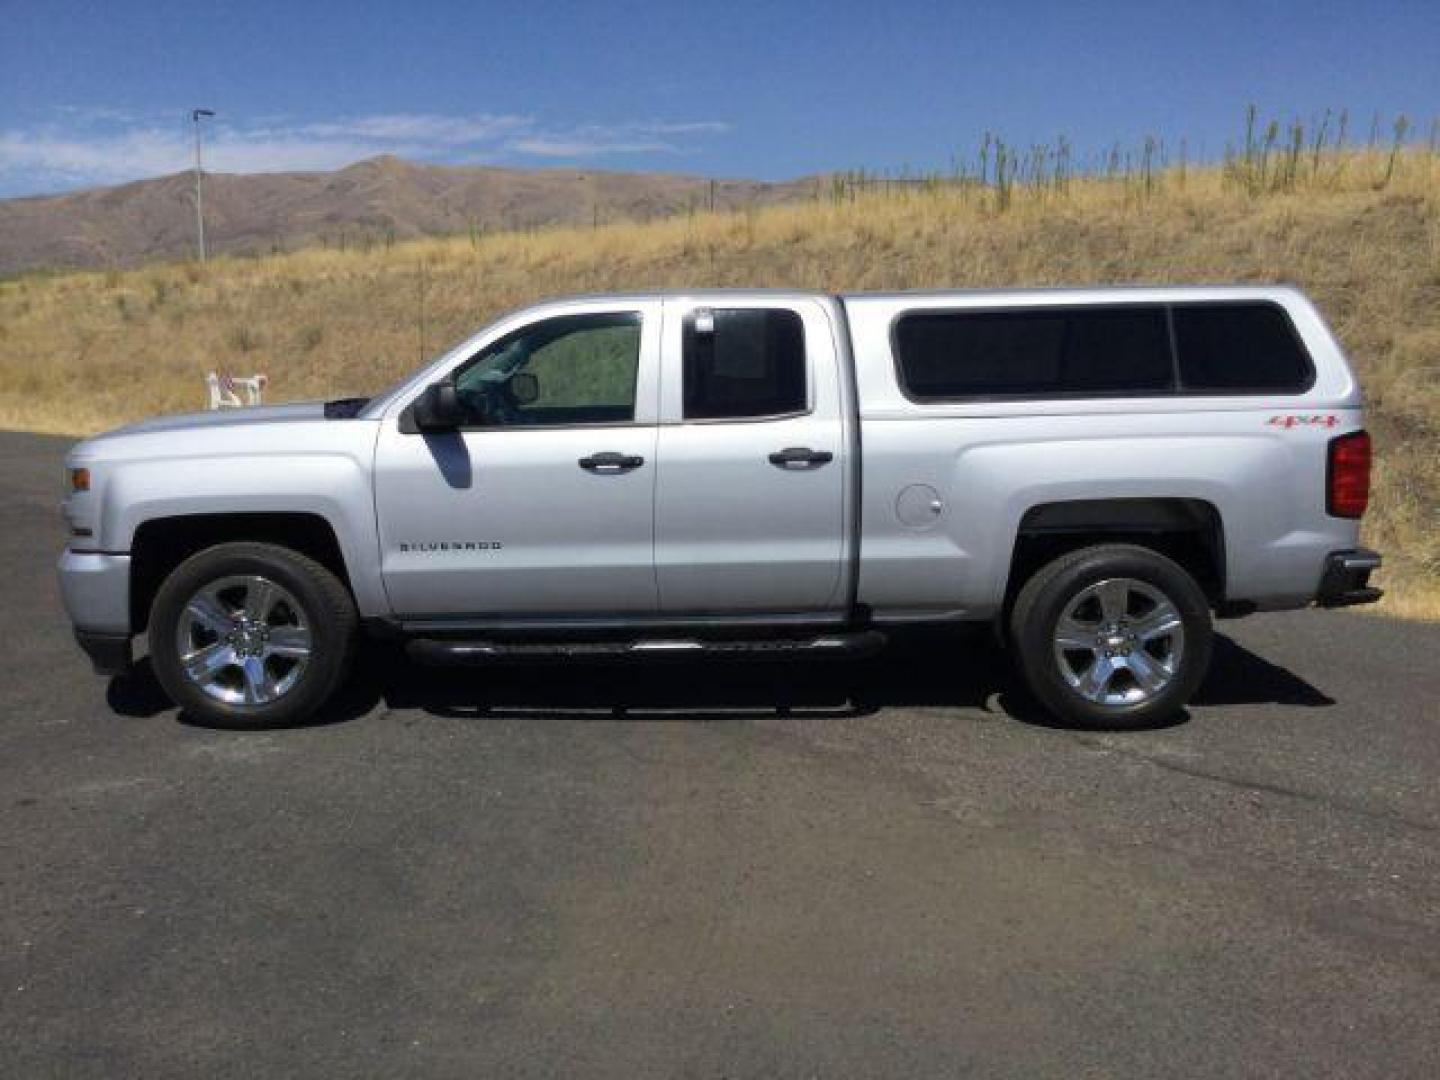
960, 668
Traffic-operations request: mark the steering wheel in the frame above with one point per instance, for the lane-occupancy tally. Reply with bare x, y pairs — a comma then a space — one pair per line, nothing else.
490, 404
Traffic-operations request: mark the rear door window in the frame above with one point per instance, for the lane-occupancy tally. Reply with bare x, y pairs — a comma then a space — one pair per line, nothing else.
743, 363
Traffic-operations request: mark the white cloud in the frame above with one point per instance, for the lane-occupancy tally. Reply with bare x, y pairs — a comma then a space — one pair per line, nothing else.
692, 127
582, 145
420, 128
103, 146
54, 157
591, 140
50, 153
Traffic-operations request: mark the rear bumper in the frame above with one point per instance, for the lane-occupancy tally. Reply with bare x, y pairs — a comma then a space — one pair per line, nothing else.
1346, 580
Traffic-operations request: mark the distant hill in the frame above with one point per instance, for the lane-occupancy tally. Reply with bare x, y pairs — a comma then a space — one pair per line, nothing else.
374, 200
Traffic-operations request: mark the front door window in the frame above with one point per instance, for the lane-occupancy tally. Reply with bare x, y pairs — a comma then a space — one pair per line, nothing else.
564, 372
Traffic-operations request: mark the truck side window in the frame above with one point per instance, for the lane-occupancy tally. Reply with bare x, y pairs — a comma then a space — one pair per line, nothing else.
569, 370
1239, 348
1035, 353
743, 362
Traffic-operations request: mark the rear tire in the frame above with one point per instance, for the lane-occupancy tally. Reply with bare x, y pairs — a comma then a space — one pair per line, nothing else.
1112, 636
250, 635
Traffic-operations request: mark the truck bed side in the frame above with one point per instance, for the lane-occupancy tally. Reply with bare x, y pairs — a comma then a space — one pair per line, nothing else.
951, 488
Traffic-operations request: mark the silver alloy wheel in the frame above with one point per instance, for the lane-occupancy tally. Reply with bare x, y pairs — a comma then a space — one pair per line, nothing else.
243, 640
1119, 642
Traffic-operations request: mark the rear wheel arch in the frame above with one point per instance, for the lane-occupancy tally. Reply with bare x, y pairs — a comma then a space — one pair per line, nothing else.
161, 544
1190, 532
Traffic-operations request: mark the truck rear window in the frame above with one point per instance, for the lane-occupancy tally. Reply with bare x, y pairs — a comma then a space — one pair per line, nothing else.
1099, 351
1239, 348
979, 354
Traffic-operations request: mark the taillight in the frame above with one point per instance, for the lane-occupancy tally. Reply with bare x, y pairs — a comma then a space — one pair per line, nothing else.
1347, 475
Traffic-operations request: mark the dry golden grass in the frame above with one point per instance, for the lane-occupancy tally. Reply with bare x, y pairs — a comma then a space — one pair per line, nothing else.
86, 351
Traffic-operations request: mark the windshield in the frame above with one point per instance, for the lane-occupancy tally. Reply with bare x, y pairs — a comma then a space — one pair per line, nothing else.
376, 405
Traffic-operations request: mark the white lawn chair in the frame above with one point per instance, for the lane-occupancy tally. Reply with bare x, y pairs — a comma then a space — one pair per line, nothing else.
225, 390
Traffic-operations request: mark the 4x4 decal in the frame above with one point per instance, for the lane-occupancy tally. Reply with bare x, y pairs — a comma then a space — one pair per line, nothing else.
1327, 420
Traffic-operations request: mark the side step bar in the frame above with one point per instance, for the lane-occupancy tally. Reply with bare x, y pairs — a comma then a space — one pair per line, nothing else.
846, 644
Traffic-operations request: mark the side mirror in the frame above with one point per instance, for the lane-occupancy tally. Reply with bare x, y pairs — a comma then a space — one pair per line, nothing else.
438, 408
524, 387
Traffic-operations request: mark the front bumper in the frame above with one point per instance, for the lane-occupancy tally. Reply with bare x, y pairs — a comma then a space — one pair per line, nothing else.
95, 589
109, 653
1346, 580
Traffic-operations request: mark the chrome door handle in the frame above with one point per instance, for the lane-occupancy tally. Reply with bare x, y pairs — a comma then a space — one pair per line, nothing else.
793, 457
611, 462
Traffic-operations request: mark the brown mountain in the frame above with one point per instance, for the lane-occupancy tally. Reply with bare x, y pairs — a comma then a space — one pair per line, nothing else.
373, 200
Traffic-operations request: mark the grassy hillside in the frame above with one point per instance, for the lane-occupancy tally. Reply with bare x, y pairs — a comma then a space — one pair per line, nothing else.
1359, 231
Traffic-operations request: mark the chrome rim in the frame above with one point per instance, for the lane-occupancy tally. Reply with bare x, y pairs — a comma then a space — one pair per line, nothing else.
243, 640
1119, 642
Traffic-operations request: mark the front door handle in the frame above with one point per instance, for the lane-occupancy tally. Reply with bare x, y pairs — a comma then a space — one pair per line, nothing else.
800, 457
611, 462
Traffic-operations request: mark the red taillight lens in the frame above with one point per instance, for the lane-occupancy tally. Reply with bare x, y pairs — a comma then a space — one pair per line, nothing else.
1347, 487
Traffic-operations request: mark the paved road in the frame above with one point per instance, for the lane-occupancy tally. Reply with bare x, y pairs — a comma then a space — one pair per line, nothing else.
727, 871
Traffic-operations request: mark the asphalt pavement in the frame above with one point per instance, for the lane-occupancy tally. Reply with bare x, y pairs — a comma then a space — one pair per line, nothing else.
884, 869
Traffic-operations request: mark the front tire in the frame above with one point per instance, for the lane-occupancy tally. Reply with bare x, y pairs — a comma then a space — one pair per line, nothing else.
1112, 636
251, 635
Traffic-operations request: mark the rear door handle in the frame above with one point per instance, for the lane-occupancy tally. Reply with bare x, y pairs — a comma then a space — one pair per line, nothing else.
611, 462
795, 457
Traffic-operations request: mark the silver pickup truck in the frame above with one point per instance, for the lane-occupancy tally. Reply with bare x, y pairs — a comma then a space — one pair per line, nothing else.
1096, 472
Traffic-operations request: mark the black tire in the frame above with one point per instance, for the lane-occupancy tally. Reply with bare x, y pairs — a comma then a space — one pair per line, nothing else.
328, 613
1047, 595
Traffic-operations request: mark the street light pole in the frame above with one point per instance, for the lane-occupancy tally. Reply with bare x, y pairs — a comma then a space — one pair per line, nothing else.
196, 115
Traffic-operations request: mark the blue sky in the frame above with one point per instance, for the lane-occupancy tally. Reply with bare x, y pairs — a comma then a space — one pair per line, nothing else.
99, 92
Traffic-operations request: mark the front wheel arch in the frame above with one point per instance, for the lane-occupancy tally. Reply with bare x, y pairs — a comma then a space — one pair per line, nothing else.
161, 544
